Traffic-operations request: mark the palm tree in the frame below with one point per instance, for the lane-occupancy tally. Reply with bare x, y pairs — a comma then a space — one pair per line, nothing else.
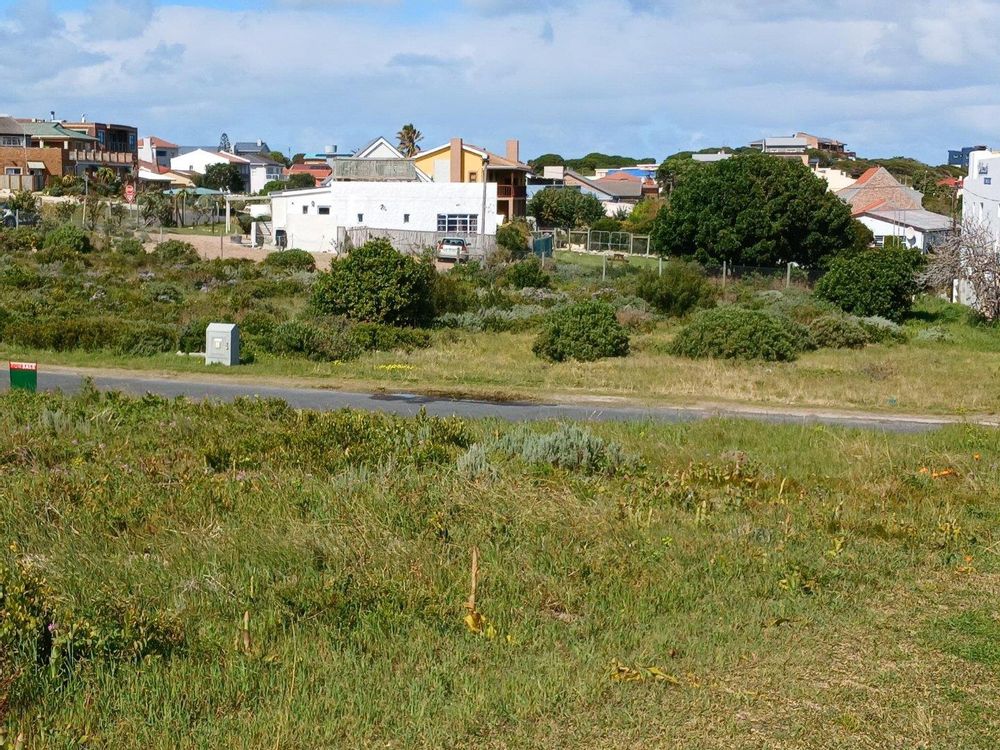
409, 137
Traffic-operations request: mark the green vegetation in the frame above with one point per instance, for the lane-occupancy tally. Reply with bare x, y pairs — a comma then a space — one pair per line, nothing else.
565, 208
376, 284
585, 331
875, 282
754, 210
291, 259
681, 288
739, 333
224, 177
588, 164
248, 575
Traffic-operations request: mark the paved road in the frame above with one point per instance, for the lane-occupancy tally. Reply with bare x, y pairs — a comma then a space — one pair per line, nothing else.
409, 404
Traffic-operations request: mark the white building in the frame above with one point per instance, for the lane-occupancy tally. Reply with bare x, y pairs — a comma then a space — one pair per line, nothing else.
317, 219
916, 228
200, 159
981, 191
157, 151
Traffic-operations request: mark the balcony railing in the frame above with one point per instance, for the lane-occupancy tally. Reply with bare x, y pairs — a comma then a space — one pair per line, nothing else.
512, 191
123, 158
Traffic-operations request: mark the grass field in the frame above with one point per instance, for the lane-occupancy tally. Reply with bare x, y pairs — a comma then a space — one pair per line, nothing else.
955, 375
180, 575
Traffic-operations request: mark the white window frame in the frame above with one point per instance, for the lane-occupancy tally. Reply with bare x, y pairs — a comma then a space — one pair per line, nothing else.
458, 223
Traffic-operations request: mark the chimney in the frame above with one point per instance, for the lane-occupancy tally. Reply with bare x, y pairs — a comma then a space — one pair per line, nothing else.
514, 151
456, 160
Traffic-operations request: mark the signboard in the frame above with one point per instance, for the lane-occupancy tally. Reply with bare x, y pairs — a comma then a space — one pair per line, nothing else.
130, 192
24, 376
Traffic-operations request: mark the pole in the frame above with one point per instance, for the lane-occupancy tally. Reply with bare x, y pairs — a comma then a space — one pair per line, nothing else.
482, 221
604, 268
724, 269
86, 194
661, 265
788, 276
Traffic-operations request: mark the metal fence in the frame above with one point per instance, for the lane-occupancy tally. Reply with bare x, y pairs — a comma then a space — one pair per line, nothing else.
415, 243
596, 241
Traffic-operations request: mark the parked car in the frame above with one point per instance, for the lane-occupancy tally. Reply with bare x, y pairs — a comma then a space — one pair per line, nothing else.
453, 248
10, 219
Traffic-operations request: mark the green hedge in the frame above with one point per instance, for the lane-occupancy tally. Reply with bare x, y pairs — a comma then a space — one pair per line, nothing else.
291, 260
739, 333
585, 331
139, 338
681, 289
875, 282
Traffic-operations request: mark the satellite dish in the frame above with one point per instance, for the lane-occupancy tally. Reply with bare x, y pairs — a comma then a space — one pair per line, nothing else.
910, 234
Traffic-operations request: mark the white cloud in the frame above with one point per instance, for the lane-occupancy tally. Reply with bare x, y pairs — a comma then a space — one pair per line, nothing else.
646, 77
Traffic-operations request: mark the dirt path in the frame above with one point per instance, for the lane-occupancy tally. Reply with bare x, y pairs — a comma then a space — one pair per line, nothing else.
220, 246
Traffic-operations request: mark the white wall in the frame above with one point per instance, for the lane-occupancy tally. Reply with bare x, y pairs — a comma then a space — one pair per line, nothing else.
261, 174
382, 205
883, 228
197, 161
981, 192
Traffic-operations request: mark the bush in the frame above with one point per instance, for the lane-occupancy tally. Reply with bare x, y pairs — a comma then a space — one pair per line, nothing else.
837, 332
524, 274
68, 239
495, 319
293, 260
882, 330
874, 282
129, 246
139, 338
801, 306
452, 294
176, 252
681, 289
569, 447
376, 337
20, 240
739, 333
515, 238
376, 284
585, 331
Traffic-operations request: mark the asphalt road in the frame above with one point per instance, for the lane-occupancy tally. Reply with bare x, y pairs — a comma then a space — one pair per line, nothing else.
405, 404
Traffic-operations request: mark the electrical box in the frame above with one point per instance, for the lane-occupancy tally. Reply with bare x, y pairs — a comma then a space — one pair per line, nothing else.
222, 344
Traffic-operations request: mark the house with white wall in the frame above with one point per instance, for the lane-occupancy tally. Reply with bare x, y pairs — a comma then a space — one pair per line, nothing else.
317, 219
915, 228
981, 191
157, 151
200, 159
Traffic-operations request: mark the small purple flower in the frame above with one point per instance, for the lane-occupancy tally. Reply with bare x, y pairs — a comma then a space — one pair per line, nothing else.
52, 627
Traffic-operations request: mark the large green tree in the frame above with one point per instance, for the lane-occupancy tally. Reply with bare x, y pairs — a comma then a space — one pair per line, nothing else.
224, 177
565, 208
754, 209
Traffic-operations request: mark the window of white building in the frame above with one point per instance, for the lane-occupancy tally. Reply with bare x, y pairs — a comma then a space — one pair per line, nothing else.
459, 223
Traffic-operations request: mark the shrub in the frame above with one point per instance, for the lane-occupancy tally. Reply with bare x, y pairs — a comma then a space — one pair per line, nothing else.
376, 284
882, 330
452, 294
837, 332
20, 240
371, 337
874, 282
799, 305
681, 289
524, 274
176, 252
129, 246
68, 238
140, 338
739, 333
293, 260
585, 331
495, 319
569, 447
515, 238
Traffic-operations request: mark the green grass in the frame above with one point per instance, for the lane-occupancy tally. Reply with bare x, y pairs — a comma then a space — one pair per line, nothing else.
765, 587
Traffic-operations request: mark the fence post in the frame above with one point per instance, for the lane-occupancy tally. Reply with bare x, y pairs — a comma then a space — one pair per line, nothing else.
661, 265
724, 277
788, 277
604, 268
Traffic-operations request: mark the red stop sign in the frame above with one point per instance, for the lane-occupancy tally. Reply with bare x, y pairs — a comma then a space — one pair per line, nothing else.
130, 193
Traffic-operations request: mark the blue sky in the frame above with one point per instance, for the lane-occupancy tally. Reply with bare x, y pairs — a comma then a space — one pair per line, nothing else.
637, 77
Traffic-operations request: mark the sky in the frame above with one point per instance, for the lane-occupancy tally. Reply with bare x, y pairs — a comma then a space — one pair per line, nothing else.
644, 78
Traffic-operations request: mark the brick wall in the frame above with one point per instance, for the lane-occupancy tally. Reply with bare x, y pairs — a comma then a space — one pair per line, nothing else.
52, 158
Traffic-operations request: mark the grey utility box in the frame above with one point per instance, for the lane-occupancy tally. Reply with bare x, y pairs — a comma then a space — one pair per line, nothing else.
222, 344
